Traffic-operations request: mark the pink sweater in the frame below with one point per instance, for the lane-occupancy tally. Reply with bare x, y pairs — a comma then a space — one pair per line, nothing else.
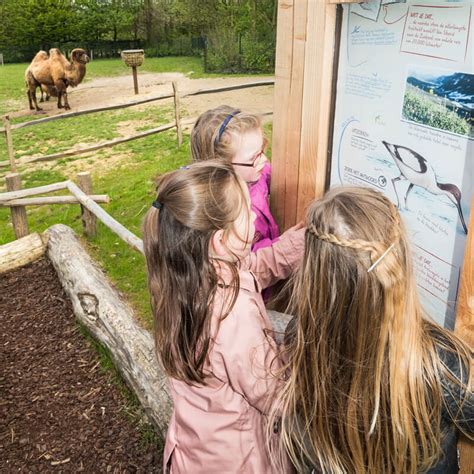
266, 228
219, 427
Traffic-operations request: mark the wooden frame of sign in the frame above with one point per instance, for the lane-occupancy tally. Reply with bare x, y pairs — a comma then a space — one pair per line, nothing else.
308, 36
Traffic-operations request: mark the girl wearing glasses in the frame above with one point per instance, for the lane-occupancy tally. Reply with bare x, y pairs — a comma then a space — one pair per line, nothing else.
237, 137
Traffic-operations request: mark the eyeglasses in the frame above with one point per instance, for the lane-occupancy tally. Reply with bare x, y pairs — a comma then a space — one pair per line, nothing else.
254, 161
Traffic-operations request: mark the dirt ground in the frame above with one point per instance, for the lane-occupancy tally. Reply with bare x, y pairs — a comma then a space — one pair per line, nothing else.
59, 412
119, 90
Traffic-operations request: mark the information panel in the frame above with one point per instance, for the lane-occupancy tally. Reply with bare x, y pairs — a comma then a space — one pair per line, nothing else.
404, 125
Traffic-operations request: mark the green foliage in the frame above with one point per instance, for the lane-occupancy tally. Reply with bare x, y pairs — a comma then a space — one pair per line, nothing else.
420, 107
236, 36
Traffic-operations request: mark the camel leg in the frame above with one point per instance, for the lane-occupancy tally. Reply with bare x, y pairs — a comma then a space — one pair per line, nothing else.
41, 99
60, 94
66, 103
62, 91
29, 99
32, 97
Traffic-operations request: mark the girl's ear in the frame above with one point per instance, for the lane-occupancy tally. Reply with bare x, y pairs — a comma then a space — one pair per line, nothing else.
217, 243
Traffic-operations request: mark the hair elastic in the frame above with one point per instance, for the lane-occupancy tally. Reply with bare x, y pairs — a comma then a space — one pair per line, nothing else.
158, 205
380, 258
224, 125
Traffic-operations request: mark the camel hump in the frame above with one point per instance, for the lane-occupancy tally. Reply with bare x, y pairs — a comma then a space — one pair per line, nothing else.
40, 56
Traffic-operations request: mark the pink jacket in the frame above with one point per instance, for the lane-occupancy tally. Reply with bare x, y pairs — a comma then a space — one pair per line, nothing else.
266, 228
219, 428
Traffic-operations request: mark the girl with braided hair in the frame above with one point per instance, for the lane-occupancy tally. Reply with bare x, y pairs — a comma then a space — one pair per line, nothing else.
372, 385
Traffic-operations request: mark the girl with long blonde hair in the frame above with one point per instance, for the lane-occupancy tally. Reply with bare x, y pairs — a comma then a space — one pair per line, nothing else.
212, 332
371, 384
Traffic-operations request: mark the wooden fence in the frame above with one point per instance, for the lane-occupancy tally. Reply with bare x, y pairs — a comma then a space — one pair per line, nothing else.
17, 199
8, 127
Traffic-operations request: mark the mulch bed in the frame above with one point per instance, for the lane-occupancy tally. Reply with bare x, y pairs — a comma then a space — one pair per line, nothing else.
59, 411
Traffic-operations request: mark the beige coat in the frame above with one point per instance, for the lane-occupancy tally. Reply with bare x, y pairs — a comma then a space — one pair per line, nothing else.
219, 427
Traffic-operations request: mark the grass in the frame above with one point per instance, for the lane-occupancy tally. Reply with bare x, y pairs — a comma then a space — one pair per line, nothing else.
130, 186
126, 172
420, 107
12, 76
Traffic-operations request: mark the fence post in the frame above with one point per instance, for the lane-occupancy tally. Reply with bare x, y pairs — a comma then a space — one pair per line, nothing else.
8, 136
19, 218
177, 113
89, 220
135, 79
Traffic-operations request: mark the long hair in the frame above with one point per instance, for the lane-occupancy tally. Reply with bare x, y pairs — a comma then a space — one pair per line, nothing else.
191, 205
212, 135
363, 388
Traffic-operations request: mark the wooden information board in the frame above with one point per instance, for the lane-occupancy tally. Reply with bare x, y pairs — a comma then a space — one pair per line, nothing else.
351, 81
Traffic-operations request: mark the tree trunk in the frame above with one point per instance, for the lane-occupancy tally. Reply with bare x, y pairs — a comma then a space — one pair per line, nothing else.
99, 307
21, 252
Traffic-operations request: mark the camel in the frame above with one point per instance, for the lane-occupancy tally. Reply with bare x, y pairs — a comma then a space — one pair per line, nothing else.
44, 89
54, 73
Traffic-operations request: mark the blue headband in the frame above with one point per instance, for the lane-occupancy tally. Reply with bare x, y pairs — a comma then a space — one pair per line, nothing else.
224, 125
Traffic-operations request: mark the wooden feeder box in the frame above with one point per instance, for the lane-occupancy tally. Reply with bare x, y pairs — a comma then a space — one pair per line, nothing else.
133, 58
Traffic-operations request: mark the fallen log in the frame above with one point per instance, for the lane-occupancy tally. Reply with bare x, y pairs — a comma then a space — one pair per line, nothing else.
99, 307
110, 320
20, 252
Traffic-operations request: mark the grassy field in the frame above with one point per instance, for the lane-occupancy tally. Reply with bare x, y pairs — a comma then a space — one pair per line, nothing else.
434, 111
12, 82
126, 172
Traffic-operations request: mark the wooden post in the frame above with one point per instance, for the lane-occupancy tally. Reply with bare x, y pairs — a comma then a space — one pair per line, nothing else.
89, 221
465, 328
135, 78
306, 35
8, 137
19, 218
177, 113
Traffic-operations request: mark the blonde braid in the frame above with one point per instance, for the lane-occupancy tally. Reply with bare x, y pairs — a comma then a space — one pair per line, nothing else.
376, 249
357, 244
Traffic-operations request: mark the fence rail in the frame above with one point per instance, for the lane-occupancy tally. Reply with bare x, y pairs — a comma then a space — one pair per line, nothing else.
139, 102
17, 199
178, 123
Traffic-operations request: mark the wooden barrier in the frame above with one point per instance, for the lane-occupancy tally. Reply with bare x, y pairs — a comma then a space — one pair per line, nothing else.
16, 199
177, 113
88, 219
21, 252
42, 201
178, 123
9, 140
19, 219
465, 329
